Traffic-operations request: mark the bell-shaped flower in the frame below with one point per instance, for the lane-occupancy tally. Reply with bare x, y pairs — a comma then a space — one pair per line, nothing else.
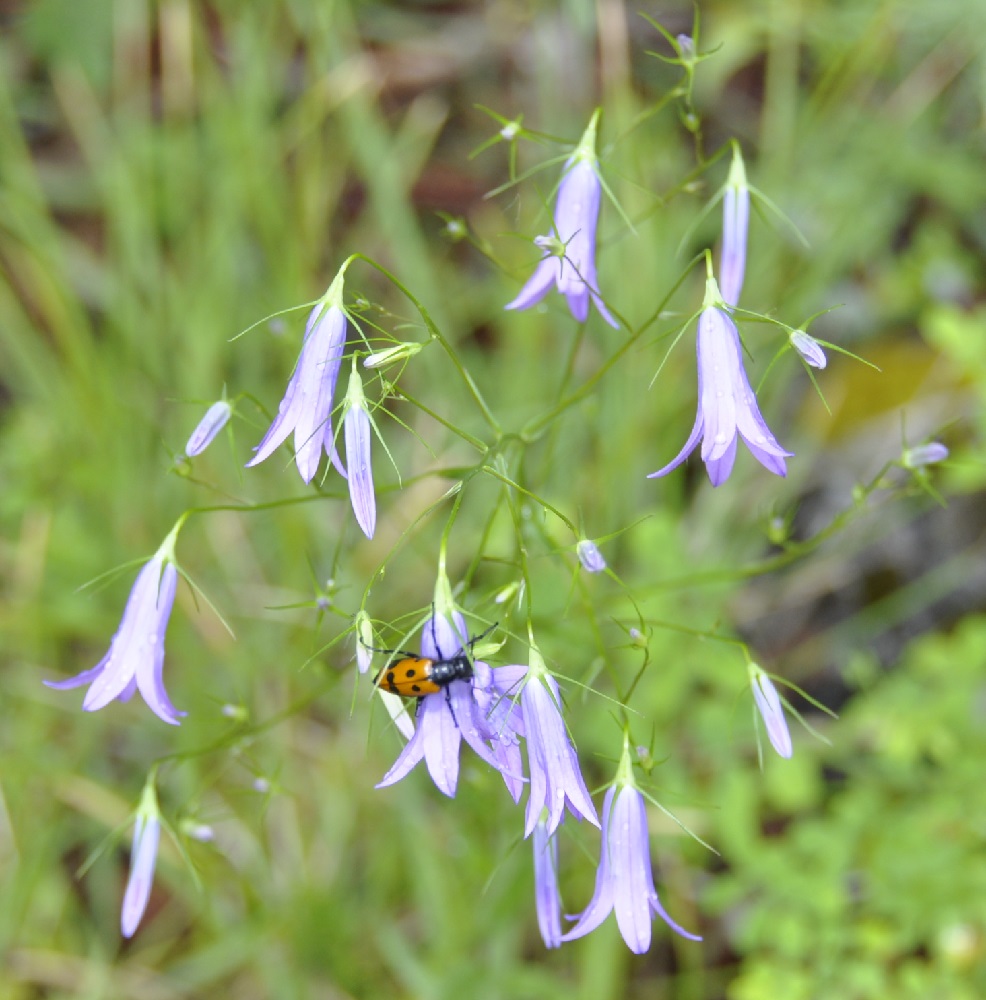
727, 406
546, 895
735, 223
136, 654
569, 261
446, 717
306, 407
215, 419
768, 703
555, 775
143, 858
624, 879
357, 425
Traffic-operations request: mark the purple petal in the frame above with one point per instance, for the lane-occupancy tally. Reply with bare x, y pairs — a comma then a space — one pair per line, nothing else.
719, 469
546, 896
735, 223
537, 285
150, 666
143, 856
409, 757
442, 738
556, 780
630, 857
687, 449
215, 419
601, 903
357, 431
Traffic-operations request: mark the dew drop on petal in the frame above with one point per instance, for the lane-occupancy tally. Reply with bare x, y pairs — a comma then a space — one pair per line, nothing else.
720, 438
761, 439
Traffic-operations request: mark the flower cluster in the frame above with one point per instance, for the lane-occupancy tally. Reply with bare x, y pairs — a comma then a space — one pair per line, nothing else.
511, 717
493, 709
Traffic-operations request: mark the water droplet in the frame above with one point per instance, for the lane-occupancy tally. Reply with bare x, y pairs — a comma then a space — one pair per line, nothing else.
720, 438
761, 439
152, 638
720, 394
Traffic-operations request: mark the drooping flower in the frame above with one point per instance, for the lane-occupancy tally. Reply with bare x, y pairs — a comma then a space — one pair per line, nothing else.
768, 703
735, 223
555, 775
215, 419
547, 899
448, 716
727, 406
590, 557
569, 261
306, 407
357, 426
143, 857
624, 879
136, 654
809, 349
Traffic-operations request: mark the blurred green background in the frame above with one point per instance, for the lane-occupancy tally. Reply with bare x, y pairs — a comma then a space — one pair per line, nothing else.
171, 172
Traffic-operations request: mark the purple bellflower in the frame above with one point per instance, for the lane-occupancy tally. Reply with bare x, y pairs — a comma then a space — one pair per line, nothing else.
448, 716
569, 261
727, 406
136, 654
768, 703
143, 857
215, 419
590, 557
556, 779
306, 407
735, 222
624, 879
357, 425
546, 896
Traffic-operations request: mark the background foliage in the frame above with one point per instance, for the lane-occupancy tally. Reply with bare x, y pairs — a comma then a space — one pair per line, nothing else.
171, 172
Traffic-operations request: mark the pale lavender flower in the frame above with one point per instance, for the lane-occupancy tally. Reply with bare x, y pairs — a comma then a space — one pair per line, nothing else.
448, 716
143, 857
357, 427
136, 654
546, 896
569, 261
307, 405
924, 454
590, 557
555, 776
809, 349
735, 223
215, 419
771, 711
727, 406
624, 879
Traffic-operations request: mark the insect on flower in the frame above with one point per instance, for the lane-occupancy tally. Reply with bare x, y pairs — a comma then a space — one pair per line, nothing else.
414, 676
